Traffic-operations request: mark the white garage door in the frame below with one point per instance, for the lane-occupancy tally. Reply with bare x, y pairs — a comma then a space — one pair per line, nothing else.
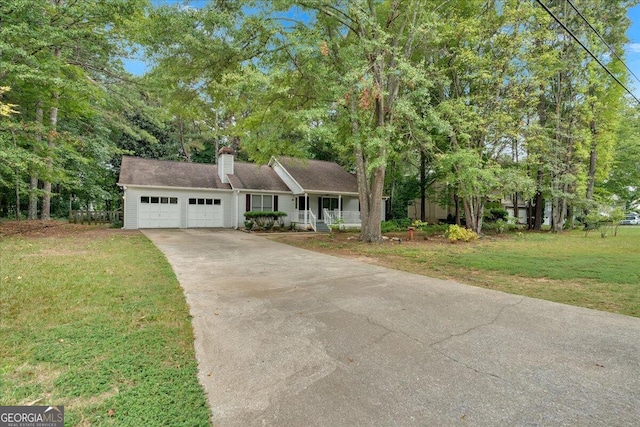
158, 212
205, 213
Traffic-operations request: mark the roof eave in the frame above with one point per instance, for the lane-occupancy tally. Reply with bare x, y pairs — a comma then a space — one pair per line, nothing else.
167, 187
274, 160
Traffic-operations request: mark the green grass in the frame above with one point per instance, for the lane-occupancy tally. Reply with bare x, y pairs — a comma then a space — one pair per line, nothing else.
568, 257
571, 268
98, 323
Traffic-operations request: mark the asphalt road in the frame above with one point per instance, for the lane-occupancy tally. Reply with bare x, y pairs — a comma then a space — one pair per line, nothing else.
288, 337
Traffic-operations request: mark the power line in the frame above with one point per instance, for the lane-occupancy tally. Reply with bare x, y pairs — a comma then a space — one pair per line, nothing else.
602, 39
573, 36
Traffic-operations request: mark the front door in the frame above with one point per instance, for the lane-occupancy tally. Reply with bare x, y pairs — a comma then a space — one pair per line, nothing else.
328, 203
302, 203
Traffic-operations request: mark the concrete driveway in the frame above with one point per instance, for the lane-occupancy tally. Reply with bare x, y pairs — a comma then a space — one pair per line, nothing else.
287, 337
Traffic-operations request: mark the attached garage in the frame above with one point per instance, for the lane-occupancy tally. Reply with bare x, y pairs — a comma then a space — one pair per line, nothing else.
169, 194
205, 212
158, 212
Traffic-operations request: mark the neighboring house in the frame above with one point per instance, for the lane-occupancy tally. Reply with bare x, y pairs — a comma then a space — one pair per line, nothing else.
166, 194
436, 213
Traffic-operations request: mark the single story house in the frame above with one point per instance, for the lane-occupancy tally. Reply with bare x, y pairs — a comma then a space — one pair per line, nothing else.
168, 194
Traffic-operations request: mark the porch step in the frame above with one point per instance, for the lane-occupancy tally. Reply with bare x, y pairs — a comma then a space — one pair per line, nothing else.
321, 227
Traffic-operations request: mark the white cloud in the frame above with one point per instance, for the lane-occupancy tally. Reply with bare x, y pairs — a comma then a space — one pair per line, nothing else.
633, 47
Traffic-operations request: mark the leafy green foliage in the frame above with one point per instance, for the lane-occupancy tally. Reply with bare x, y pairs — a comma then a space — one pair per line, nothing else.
265, 220
420, 225
58, 59
395, 225
490, 98
455, 233
496, 214
6, 109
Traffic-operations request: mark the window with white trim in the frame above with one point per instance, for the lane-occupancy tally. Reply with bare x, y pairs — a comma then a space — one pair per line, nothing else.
159, 200
262, 202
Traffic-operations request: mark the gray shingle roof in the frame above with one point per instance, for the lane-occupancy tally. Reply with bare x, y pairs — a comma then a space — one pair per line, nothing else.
250, 176
320, 176
312, 175
163, 173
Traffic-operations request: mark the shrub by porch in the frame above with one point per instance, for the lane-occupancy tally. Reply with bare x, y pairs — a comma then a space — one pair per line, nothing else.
264, 220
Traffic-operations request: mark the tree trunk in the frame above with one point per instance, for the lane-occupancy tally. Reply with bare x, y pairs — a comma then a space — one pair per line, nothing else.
591, 177
370, 195
539, 204
456, 202
33, 198
185, 151
17, 195
559, 213
423, 185
33, 181
373, 230
593, 157
53, 124
17, 182
474, 209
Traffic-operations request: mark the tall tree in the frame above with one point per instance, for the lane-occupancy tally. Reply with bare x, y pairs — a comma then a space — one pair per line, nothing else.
60, 57
481, 82
623, 181
347, 64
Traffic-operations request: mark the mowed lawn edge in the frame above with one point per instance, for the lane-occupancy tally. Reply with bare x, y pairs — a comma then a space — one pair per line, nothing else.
96, 321
569, 268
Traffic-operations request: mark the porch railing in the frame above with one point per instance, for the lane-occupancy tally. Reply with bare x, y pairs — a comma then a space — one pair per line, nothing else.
299, 218
342, 217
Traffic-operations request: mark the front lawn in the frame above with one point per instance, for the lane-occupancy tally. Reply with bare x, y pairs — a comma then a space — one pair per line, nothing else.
94, 319
571, 268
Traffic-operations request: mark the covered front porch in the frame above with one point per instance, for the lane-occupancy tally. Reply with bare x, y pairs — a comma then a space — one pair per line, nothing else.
319, 212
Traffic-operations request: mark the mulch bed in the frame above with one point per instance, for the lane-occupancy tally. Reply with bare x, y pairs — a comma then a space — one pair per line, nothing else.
54, 228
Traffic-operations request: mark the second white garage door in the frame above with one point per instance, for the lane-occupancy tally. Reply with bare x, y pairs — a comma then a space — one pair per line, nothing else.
203, 212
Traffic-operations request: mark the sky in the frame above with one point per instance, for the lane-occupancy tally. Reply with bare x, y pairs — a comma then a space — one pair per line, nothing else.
633, 49
632, 57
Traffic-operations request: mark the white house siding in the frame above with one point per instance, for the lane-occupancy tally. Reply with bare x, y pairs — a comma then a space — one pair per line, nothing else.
286, 178
132, 200
286, 203
350, 204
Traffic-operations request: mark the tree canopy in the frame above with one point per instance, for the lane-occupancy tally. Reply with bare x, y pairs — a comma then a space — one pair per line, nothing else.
478, 99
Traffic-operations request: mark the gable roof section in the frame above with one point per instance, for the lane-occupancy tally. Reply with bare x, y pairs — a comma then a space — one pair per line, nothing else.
319, 176
312, 175
164, 173
249, 176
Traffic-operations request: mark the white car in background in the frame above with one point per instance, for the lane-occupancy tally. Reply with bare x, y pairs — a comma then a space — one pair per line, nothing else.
631, 219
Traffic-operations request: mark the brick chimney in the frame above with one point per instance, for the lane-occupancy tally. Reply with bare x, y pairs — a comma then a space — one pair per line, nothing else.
225, 163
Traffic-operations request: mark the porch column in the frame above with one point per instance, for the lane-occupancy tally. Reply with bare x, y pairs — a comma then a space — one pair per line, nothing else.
340, 206
306, 209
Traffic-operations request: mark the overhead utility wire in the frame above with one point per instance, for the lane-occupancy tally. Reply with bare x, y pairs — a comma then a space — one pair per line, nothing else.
603, 40
586, 49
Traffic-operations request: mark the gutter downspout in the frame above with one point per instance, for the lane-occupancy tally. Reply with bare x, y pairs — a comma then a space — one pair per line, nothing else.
124, 206
237, 207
